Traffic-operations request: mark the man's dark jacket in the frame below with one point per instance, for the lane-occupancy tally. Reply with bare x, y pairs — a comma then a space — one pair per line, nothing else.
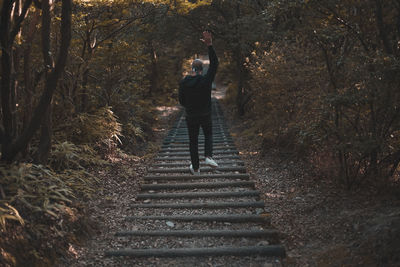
195, 91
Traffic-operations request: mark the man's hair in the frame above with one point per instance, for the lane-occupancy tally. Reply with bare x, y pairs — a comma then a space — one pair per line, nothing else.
197, 65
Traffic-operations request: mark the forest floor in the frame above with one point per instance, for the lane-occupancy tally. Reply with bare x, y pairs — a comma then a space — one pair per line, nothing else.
322, 223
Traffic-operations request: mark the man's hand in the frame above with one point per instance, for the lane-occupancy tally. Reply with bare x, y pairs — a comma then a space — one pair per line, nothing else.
207, 38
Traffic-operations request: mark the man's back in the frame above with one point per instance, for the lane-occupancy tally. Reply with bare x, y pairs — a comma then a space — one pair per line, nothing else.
195, 91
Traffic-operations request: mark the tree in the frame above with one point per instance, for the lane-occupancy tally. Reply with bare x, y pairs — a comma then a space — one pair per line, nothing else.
12, 144
330, 78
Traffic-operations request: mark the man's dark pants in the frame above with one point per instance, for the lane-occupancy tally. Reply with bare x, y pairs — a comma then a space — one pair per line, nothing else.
194, 124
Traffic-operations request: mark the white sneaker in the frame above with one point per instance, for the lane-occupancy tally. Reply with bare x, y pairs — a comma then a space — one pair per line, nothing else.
192, 171
210, 162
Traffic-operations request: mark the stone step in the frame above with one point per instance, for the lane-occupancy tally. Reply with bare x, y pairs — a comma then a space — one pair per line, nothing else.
270, 251
231, 218
200, 137
215, 133
216, 125
215, 157
252, 193
203, 233
215, 140
197, 185
186, 164
187, 153
185, 134
221, 142
202, 169
242, 176
205, 205
186, 148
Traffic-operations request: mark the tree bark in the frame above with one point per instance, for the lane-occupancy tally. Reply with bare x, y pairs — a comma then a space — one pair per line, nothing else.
28, 82
13, 80
14, 91
45, 133
46, 29
80, 98
398, 19
239, 65
382, 28
44, 148
153, 70
240, 89
6, 67
84, 93
7, 37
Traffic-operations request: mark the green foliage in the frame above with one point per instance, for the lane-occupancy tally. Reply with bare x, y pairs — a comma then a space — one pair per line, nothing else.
84, 184
64, 156
127, 65
100, 128
35, 188
284, 96
67, 155
326, 86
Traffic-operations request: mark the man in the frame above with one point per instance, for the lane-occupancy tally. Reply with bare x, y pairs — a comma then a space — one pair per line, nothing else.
195, 97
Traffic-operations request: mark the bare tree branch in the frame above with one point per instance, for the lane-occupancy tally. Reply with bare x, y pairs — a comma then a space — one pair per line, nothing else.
20, 19
122, 28
347, 24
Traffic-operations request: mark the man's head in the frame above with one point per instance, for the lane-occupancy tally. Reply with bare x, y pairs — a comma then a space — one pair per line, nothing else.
197, 66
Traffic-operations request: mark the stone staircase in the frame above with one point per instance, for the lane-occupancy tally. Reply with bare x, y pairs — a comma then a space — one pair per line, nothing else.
218, 213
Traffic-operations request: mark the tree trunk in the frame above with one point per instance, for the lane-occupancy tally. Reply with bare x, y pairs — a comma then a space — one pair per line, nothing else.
45, 133
84, 94
153, 70
241, 97
44, 148
382, 28
50, 86
239, 65
80, 97
46, 29
10, 25
6, 67
28, 82
14, 92
398, 20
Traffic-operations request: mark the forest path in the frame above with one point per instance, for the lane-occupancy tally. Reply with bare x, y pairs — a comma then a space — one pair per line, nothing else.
218, 213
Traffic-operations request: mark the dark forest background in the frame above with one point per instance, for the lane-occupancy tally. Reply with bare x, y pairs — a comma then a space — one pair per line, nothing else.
316, 80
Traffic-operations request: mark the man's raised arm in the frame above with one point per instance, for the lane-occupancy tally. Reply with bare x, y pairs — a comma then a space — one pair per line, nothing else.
212, 70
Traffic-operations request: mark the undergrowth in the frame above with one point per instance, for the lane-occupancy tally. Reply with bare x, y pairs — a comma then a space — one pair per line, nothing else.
42, 207
40, 204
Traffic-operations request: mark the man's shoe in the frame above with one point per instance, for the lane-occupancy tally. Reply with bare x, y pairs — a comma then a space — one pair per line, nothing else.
192, 171
210, 162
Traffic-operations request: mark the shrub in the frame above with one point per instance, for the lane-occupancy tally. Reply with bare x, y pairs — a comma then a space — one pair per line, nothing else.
99, 129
